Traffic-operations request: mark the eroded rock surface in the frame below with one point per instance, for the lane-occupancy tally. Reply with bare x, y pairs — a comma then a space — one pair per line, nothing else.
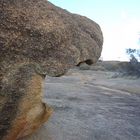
38, 39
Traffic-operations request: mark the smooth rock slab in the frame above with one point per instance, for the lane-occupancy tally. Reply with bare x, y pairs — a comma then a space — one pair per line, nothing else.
90, 105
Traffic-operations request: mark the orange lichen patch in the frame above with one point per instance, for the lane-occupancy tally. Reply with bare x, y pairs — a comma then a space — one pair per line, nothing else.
32, 112
33, 94
40, 118
23, 127
19, 125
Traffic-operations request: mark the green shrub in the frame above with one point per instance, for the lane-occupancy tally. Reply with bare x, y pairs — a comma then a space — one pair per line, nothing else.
133, 67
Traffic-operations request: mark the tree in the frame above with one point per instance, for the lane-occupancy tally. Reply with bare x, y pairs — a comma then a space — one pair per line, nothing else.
134, 64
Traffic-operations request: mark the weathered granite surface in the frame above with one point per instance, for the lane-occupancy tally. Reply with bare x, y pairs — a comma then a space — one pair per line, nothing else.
38, 39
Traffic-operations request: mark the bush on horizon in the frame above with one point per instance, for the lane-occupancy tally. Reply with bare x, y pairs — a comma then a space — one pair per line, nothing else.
134, 64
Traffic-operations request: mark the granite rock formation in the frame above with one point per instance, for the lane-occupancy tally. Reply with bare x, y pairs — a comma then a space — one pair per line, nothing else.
38, 39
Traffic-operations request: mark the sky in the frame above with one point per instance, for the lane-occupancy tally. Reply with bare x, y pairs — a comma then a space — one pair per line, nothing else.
118, 19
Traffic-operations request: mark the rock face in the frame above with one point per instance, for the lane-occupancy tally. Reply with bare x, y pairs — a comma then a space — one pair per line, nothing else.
38, 39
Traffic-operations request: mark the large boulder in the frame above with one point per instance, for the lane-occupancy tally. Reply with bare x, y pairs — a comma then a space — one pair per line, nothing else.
38, 39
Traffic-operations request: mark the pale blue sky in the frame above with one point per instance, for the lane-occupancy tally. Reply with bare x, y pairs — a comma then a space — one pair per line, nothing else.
119, 20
